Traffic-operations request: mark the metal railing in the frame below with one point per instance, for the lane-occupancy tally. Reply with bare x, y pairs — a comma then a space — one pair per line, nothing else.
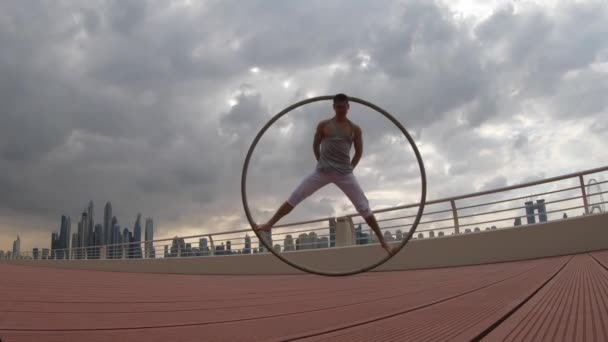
535, 202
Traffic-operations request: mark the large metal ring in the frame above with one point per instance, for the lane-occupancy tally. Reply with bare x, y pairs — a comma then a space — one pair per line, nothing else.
289, 109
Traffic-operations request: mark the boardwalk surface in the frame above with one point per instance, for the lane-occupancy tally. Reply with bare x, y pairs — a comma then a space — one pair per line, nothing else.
554, 299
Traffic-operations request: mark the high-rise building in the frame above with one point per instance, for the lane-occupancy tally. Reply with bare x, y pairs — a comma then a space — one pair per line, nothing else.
530, 212
332, 232
82, 230
204, 248
247, 249
137, 237
17, 247
287, 243
178, 247
107, 223
64, 233
323, 242
98, 235
149, 237
542, 210
55, 242
90, 225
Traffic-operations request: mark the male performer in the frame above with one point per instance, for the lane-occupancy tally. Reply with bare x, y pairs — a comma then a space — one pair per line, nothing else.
332, 143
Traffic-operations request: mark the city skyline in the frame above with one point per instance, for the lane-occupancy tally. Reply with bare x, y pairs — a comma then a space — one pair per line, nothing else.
154, 104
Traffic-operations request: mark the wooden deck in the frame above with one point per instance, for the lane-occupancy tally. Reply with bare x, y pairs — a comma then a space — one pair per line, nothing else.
552, 299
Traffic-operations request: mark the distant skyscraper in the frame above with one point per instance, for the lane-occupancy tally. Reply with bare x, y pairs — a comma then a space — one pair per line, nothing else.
54, 241
90, 224
332, 232
531, 207
137, 228
530, 212
17, 247
542, 210
64, 234
137, 237
203, 247
107, 223
126, 238
288, 243
323, 242
149, 236
99, 235
247, 249
83, 229
111, 236
116, 240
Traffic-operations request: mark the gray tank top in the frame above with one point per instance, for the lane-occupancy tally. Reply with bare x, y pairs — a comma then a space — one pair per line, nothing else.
335, 149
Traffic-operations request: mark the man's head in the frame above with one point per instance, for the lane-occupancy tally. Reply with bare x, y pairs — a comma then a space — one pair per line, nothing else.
341, 105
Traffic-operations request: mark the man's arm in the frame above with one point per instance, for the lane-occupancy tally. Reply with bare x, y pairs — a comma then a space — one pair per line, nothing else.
316, 145
358, 146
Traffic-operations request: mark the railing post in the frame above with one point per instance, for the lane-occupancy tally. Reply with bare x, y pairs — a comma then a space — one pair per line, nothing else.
585, 202
455, 216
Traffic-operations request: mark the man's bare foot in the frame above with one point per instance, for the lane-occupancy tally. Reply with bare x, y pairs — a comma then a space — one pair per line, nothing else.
391, 250
265, 227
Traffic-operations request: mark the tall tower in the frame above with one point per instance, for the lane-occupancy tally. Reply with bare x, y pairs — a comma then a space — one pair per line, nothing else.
90, 225
149, 237
17, 247
247, 249
107, 224
83, 229
332, 232
137, 237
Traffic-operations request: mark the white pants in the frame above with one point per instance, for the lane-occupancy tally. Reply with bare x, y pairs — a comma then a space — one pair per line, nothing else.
347, 183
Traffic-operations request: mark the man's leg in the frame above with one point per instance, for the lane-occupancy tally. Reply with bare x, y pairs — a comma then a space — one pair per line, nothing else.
350, 186
307, 187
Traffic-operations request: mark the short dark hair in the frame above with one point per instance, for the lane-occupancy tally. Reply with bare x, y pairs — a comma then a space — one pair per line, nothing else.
340, 98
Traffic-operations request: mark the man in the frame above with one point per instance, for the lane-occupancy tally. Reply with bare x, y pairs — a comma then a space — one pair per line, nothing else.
332, 143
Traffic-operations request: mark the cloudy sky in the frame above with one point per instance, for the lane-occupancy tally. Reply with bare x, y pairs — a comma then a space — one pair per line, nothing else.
152, 105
